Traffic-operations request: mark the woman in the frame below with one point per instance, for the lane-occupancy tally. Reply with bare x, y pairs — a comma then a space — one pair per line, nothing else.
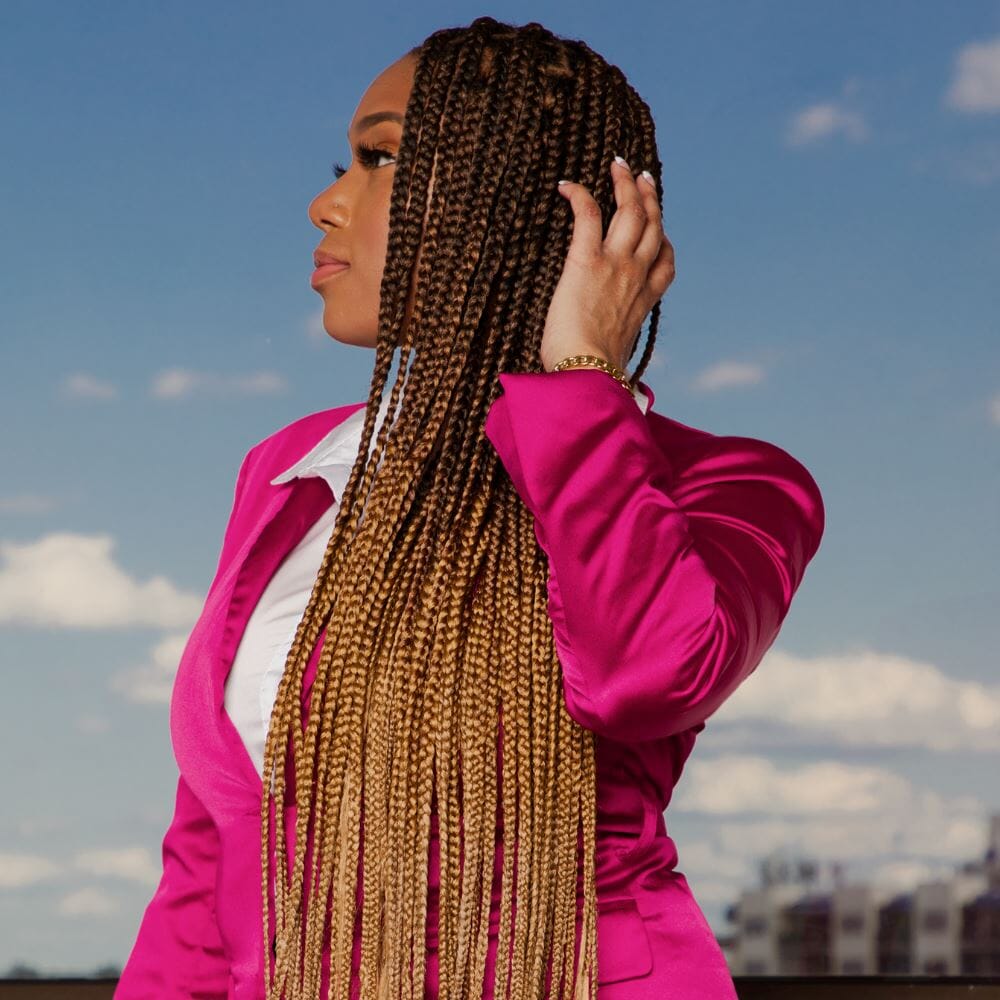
527, 596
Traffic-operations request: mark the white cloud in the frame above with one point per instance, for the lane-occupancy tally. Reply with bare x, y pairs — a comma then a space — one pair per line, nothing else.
702, 855
731, 784
91, 902
822, 120
727, 374
83, 386
994, 408
27, 503
706, 888
31, 827
860, 698
902, 876
975, 85
19, 870
92, 725
926, 825
977, 162
134, 864
875, 823
153, 682
177, 383
67, 580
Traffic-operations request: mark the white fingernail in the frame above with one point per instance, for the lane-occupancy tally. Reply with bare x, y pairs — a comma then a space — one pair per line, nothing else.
621, 162
648, 176
565, 182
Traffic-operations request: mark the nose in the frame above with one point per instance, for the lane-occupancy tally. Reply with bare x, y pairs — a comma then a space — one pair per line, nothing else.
328, 209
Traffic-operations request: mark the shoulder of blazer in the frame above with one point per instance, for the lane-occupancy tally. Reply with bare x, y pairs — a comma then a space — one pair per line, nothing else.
266, 459
697, 459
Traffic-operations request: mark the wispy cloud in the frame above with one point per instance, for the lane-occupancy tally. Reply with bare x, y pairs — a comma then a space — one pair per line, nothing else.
823, 120
977, 162
179, 383
18, 870
92, 725
699, 860
882, 827
88, 902
81, 385
737, 784
133, 864
152, 682
27, 503
975, 83
909, 820
860, 698
727, 375
66, 580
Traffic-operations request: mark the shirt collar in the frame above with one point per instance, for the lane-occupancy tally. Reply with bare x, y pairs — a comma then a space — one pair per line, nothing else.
333, 456
641, 398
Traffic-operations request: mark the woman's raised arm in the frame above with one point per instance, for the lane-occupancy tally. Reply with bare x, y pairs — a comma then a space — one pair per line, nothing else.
669, 575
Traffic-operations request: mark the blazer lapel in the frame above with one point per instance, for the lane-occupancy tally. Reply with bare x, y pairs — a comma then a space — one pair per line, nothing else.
287, 517
272, 520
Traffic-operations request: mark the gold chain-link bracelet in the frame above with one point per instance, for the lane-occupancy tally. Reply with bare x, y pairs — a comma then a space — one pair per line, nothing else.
592, 361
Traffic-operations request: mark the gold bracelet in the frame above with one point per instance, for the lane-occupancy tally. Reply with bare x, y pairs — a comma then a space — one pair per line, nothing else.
592, 361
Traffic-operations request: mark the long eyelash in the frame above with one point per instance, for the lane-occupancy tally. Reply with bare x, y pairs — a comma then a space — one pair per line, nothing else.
368, 155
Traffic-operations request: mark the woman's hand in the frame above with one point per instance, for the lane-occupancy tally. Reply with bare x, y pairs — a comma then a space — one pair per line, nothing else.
608, 286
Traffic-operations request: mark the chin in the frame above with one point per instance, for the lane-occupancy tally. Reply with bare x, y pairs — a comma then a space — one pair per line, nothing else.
352, 338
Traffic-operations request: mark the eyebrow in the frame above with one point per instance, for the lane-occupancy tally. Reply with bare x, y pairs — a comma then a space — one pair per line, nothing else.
375, 117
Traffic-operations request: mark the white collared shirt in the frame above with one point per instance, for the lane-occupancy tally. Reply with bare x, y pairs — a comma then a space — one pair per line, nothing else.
252, 683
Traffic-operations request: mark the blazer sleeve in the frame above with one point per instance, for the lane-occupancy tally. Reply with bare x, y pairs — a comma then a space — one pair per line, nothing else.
178, 952
669, 576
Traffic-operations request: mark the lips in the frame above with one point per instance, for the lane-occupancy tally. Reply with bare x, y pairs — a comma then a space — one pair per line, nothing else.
321, 257
325, 271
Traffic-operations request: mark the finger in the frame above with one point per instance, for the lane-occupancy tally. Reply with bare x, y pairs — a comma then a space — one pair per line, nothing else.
662, 271
629, 221
587, 221
652, 237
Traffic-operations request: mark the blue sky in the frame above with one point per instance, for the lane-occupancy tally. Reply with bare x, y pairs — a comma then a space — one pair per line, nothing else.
832, 186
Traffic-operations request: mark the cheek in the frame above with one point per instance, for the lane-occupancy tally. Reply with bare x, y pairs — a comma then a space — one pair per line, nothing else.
376, 239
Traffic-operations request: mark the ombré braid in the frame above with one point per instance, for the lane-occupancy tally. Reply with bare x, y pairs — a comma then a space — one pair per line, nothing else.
432, 598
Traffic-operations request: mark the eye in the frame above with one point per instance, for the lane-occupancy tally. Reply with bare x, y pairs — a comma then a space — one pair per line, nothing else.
369, 157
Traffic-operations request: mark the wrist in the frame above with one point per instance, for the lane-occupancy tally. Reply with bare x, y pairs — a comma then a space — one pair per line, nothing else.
591, 361
549, 363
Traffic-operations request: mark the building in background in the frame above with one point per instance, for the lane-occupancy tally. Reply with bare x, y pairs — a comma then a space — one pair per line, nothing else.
800, 922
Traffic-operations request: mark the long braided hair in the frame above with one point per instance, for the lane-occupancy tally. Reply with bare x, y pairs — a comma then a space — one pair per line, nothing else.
433, 587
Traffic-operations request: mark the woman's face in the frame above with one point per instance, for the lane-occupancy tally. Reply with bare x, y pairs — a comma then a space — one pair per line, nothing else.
353, 212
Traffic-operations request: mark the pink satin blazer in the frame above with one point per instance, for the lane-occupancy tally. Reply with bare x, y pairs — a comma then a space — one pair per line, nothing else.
674, 554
